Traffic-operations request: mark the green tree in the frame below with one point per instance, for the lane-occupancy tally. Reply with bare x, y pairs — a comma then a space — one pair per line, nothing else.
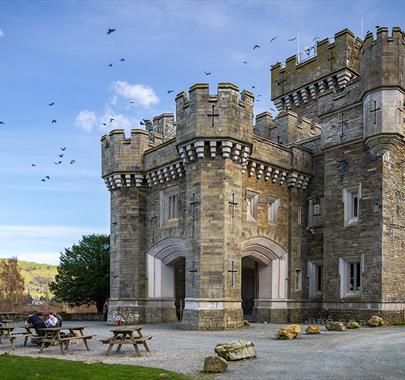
84, 273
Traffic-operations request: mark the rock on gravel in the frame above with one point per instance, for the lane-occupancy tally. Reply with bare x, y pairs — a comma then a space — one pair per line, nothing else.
236, 350
353, 325
313, 329
335, 326
215, 364
288, 332
375, 321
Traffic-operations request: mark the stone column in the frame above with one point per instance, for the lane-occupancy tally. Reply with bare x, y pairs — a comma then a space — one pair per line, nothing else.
213, 299
128, 246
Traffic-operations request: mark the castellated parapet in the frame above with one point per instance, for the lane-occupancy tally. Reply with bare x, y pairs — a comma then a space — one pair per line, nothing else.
122, 158
226, 114
297, 85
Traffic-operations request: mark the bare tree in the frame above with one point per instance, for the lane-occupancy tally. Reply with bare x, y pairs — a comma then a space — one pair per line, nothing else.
11, 285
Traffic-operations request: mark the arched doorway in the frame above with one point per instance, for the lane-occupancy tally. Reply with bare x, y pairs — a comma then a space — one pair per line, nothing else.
166, 273
264, 276
249, 287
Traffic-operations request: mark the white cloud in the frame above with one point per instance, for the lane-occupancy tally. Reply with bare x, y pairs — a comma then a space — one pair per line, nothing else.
1, 34
114, 120
140, 94
86, 120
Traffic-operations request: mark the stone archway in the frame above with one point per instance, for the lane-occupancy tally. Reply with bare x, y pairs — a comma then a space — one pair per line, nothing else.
272, 274
160, 260
164, 263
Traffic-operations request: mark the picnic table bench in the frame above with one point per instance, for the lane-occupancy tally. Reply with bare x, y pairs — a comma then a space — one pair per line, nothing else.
54, 335
7, 333
125, 335
27, 333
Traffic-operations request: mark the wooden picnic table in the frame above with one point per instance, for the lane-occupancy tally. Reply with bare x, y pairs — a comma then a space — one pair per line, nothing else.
125, 335
29, 332
5, 322
7, 333
53, 336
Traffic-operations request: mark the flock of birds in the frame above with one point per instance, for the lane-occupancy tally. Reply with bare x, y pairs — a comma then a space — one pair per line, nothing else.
143, 122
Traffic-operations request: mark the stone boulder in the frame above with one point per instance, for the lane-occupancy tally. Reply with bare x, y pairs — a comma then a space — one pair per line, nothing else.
375, 321
236, 350
312, 330
335, 326
215, 364
288, 332
353, 325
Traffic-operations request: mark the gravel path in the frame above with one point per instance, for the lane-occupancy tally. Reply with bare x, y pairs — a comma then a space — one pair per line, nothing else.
354, 354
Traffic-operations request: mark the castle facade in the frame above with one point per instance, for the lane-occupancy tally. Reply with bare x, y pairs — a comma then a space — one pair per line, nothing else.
216, 218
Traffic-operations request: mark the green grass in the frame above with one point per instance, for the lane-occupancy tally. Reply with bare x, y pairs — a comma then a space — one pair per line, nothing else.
26, 368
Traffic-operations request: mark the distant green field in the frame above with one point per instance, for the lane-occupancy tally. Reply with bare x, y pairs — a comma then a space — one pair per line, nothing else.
36, 277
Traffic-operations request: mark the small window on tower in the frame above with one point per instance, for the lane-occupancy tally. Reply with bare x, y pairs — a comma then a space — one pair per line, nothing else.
169, 206
273, 205
252, 200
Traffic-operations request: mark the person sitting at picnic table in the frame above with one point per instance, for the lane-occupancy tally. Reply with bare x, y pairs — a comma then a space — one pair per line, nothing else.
1, 321
52, 321
35, 320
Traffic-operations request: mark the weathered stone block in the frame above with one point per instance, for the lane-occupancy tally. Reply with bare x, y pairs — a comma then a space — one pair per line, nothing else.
236, 350
215, 364
335, 326
375, 321
313, 329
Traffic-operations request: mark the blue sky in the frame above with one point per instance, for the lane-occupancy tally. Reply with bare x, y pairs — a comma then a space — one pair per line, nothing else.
58, 51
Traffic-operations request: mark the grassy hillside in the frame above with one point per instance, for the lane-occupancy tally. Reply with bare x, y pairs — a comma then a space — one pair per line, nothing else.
37, 277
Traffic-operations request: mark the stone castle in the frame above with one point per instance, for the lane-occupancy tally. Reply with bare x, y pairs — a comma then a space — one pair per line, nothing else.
215, 218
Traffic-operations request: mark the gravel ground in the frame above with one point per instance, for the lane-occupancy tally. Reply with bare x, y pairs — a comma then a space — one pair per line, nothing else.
354, 354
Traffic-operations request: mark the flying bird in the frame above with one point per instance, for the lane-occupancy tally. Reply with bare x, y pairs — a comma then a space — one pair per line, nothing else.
110, 30
47, 177
63, 149
256, 47
170, 91
58, 163
207, 73
72, 161
33, 165
132, 102
51, 104
245, 62
292, 39
253, 87
122, 60
43, 180
111, 120
110, 65
60, 155
2, 123
142, 123
53, 121
104, 123
259, 95
273, 39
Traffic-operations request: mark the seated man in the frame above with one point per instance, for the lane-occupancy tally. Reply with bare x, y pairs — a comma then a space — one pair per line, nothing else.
35, 320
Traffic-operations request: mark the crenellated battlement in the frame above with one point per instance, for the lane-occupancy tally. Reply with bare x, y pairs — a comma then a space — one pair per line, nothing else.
383, 60
122, 156
227, 113
163, 124
335, 63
